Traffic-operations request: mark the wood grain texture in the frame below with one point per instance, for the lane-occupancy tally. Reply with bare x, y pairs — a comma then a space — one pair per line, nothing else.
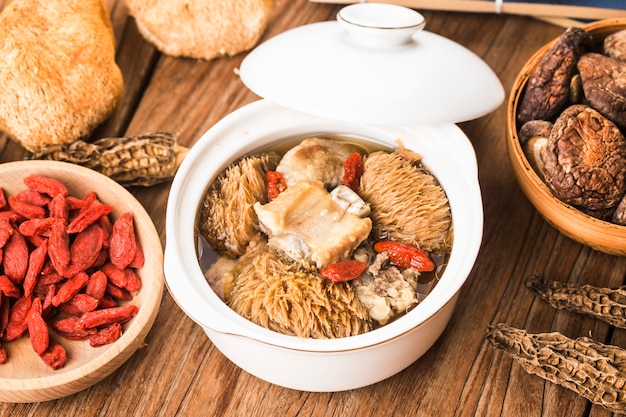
180, 373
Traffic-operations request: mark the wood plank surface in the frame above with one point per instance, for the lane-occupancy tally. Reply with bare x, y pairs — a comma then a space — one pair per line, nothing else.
180, 373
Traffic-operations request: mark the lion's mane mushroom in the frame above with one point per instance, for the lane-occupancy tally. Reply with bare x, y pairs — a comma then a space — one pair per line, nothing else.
604, 84
548, 89
585, 159
407, 202
227, 218
203, 29
293, 298
58, 72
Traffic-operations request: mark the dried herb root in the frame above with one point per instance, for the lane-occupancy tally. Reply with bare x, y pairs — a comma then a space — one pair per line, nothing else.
604, 304
592, 369
135, 160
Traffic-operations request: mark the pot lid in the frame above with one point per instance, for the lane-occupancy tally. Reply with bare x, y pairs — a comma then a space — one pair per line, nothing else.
375, 65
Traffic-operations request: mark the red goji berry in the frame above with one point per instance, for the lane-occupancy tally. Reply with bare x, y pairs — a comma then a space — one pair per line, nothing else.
15, 260
139, 259
55, 356
6, 230
97, 285
49, 278
352, 171
3, 200
107, 316
5, 310
48, 296
33, 197
68, 328
88, 216
85, 249
26, 210
107, 302
11, 216
35, 264
275, 184
38, 226
37, 328
57, 207
69, 288
406, 256
74, 203
59, 246
133, 282
81, 303
116, 275
118, 293
45, 185
106, 335
4, 356
8, 287
17, 324
344, 270
122, 242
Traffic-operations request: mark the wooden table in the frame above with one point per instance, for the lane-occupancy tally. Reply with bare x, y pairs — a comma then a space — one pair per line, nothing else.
179, 371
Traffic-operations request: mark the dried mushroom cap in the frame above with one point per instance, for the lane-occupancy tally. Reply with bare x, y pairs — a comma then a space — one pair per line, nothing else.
534, 128
533, 136
584, 160
548, 88
604, 84
293, 299
407, 203
227, 218
619, 215
615, 45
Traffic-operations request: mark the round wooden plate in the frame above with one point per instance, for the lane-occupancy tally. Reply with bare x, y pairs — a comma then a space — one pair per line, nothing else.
25, 377
573, 223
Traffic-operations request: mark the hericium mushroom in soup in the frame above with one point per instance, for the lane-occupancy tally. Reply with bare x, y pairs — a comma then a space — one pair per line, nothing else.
326, 237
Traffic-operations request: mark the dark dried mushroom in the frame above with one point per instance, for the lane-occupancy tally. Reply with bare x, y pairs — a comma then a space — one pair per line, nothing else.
584, 160
619, 215
604, 84
548, 88
576, 93
615, 45
227, 219
533, 136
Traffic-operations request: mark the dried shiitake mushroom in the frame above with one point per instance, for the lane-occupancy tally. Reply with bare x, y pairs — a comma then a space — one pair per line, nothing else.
585, 159
548, 88
604, 83
533, 136
615, 45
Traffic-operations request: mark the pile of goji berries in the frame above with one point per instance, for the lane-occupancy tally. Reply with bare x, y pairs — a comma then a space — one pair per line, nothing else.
66, 269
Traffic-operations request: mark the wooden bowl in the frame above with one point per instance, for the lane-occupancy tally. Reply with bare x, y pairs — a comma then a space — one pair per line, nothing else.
25, 377
573, 223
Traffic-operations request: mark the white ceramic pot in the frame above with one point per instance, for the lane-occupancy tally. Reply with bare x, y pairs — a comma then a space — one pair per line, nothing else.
307, 364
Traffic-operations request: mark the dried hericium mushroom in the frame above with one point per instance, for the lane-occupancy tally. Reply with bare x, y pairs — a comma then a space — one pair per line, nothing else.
585, 159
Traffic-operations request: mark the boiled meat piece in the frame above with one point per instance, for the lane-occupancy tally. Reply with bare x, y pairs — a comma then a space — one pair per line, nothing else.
316, 159
305, 224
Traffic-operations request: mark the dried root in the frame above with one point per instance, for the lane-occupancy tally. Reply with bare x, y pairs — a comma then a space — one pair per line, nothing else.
135, 160
592, 369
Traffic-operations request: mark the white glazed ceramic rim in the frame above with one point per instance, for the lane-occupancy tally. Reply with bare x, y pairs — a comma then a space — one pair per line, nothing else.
446, 150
